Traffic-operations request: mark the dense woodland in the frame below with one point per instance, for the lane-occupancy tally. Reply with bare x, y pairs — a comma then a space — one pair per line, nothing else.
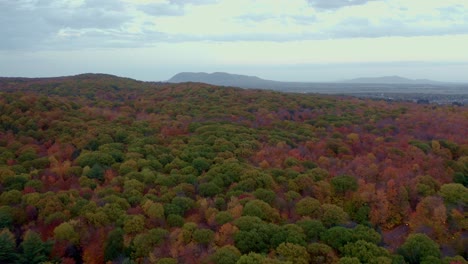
96, 168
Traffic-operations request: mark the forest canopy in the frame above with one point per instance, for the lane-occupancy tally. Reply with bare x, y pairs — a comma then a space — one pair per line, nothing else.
96, 168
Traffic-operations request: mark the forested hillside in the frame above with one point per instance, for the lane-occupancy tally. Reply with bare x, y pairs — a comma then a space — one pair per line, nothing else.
96, 168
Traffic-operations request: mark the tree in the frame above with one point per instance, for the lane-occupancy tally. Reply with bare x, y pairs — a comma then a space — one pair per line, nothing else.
223, 217
417, 247
361, 232
290, 233
265, 195
33, 250
153, 210
333, 215
430, 212
337, 236
167, 261
308, 207
454, 193
203, 236
251, 258
255, 239
134, 224
366, 252
6, 219
344, 183
261, 210
66, 231
292, 252
7, 247
460, 177
184, 203
201, 164
349, 260
226, 255
208, 189
96, 172
251, 241
114, 245
312, 229
174, 220
321, 253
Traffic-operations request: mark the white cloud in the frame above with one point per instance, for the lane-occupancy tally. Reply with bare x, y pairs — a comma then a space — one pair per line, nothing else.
143, 22
231, 32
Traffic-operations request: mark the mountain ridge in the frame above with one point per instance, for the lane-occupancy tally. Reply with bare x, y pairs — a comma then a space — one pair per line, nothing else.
224, 78
393, 79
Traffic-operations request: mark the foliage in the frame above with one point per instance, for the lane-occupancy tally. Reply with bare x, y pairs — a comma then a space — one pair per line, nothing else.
7, 247
100, 168
226, 255
33, 249
418, 247
366, 252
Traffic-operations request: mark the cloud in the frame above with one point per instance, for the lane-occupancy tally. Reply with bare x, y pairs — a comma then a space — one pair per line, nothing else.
39, 23
77, 24
162, 9
334, 4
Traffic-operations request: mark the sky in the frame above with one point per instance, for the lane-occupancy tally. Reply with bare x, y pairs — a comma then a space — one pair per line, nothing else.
285, 40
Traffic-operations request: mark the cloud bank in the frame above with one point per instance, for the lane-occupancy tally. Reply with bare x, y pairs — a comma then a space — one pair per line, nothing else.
76, 24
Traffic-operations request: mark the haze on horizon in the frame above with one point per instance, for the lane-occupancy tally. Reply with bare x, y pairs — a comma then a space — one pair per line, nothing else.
286, 40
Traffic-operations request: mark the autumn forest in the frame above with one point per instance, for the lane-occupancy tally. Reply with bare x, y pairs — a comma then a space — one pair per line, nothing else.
101, 169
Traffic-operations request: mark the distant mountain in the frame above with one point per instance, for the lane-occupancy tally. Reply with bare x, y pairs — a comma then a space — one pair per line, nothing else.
244, 81
223, 78
387, 84
391, 80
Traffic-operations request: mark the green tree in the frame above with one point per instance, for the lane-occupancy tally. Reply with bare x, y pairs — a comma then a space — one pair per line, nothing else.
454, 193
349, 260
184, 203
333, 215
153, 210
344, 183
417, 247
260, 209
174, 220
308, 207
321, 253
96, 172
337, 236
255, 239
266, 195
223, 217
460, 177
33, 249
248, 223
289, 233
167, 261
226, 255
114, 245
251, 258
312, 229
134, 224
361, 232
7, 247
91, 158
292, 252
66, 231
201, 164
6, 219
366, 252
432, 260
208, 189
203, 236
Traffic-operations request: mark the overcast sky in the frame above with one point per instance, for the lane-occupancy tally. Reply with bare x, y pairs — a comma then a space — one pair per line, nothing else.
294, 40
